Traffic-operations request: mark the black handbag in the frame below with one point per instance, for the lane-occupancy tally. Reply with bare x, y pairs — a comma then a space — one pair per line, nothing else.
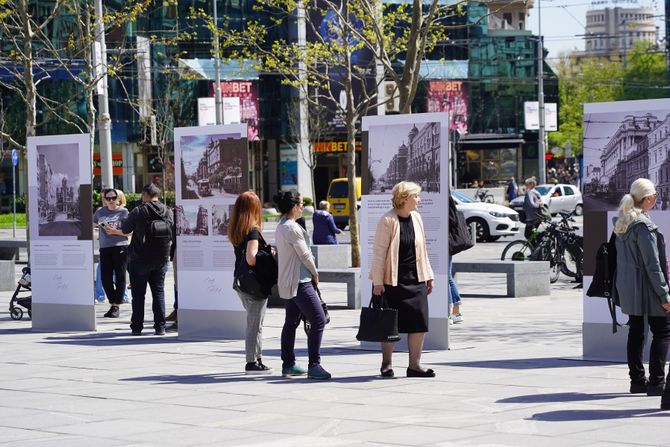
459, 236
378, 323
257, 282
306, 324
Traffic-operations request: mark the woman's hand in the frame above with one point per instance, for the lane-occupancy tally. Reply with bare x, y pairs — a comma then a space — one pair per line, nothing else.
378, 290
315, 279
666, 307
429, 286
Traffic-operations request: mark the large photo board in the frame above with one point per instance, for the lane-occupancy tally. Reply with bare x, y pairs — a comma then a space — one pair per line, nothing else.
211, 165
623, 141
60, 214
409, 147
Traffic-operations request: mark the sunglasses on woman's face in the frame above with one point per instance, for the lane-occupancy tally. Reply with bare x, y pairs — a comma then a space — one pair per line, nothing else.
111, 197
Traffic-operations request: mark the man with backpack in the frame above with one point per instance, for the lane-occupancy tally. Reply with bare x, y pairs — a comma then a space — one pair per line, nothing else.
151, 224
532, 205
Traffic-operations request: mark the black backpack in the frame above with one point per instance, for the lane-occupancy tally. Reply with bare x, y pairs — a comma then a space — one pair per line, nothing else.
459, 236
602, 284
157, 239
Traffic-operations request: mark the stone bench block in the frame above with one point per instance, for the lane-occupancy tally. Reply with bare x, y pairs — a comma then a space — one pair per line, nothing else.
332, 256
524, 278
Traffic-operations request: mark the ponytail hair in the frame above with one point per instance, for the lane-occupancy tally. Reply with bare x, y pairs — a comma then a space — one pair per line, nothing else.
630, 206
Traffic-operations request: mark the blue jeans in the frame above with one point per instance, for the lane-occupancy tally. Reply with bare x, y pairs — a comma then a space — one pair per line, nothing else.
307, 303
100, 291
141, 274
454, 296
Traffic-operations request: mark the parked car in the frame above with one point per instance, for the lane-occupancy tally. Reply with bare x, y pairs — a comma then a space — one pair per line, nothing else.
558, 197
492, 221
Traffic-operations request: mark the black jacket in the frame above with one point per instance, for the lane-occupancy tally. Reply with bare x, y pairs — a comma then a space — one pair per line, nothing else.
137, 224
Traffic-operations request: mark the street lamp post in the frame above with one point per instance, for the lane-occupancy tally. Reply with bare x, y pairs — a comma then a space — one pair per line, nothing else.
104, 119
218, 101
541, 175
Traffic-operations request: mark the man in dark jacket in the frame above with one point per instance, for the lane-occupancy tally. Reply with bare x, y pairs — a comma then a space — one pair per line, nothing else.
151, 224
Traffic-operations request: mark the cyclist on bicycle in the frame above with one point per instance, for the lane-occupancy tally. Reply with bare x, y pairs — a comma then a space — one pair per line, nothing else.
531, 207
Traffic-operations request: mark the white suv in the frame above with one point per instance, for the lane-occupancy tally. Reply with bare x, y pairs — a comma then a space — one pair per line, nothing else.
559, 197
493, 221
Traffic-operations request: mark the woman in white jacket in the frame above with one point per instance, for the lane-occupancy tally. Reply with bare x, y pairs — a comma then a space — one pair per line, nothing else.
296, 282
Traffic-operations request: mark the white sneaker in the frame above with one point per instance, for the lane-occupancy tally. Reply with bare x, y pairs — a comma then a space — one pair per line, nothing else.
458, 318
450, 320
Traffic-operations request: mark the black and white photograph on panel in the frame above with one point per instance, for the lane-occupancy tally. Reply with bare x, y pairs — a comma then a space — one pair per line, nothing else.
191, 220
622, 146
58, 190
220, 219
213, 166
404, 152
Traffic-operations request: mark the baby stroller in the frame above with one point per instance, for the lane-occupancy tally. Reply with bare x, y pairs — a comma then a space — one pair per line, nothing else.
24, 301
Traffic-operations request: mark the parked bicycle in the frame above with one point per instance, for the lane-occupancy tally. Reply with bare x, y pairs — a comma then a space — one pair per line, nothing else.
483, 195
557, 243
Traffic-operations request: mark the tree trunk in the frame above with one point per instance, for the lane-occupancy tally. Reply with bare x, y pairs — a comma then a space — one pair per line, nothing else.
350, 120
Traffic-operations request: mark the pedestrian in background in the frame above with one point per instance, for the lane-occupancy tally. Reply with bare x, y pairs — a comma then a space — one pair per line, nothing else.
512, 189
531, 207
244, 232
297, 278
113, 249
151, 225
641, 289
325, 230
401, 271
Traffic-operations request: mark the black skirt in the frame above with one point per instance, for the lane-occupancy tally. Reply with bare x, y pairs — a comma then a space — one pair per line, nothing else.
410, 298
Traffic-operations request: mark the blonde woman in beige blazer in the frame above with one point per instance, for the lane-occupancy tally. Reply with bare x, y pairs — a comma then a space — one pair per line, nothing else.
296, 282
401, 271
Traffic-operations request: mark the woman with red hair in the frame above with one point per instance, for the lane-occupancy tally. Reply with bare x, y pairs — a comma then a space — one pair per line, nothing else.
244, 232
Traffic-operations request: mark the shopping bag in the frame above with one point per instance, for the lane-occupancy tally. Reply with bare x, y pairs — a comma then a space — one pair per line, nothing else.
378, 323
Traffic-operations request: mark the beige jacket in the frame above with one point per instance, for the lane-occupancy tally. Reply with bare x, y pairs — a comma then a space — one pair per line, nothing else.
384, 268
292, 250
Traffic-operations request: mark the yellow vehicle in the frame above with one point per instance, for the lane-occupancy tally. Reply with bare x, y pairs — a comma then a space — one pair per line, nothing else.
338, 197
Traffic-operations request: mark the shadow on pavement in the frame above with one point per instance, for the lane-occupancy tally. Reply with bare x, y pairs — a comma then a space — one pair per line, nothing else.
533, 363
597, 415
560, 397
302, 352
200, 379
112, 339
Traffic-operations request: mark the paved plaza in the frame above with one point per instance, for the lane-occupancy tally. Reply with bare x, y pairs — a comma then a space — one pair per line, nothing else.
512, 377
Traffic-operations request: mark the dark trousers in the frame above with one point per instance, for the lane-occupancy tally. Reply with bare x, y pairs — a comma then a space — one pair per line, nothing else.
660, 329
530, 226
141, 274
307, 303
113, 262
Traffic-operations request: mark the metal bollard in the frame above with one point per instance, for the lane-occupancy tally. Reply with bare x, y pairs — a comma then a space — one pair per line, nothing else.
473, 232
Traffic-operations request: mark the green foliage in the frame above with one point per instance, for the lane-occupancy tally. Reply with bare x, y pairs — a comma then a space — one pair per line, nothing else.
20, 204
643, 76
308, 201
7, 220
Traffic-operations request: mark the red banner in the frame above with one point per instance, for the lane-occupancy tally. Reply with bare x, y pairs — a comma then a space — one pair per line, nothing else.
117, 164
449, 96
247, 91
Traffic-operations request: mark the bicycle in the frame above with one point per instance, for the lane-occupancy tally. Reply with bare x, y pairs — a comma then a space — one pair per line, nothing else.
551, 245
483, 195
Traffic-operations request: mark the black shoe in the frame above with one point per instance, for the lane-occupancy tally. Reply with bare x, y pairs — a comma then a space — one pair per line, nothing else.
655, 390
172, 328
638, 387
665, 401
414, 373
136, 333
257, 368
387, 374
160, 331
172, 316
113, 312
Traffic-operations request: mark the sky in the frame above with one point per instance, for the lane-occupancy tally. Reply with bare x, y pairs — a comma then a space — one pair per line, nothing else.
563, 22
